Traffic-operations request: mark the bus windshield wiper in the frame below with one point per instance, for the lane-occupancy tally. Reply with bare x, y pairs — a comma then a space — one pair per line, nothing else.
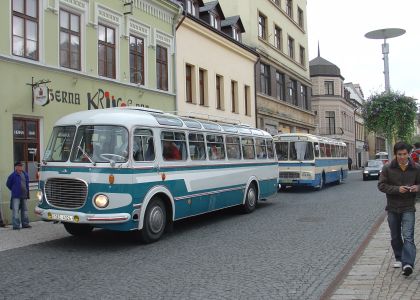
86, 155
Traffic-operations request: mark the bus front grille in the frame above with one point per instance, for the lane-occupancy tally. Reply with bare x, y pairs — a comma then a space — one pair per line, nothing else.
65, 192
289, 175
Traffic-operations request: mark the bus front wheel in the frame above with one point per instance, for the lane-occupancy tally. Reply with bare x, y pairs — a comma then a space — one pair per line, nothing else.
154, 221
250, 200
78, 229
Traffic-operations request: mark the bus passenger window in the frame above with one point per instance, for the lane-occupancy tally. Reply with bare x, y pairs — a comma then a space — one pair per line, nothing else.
316, 147
173, 145
197, 146
233, 147
215, 147
143, 146
270, 149
248, 148
261, 149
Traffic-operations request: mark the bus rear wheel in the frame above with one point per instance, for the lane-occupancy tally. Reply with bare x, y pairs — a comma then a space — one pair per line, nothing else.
251, 199
78, 229
154, 221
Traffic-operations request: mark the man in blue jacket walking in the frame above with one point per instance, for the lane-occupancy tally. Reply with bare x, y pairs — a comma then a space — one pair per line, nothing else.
18, 184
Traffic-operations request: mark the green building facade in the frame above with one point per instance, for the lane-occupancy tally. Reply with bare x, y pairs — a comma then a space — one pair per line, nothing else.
63, 56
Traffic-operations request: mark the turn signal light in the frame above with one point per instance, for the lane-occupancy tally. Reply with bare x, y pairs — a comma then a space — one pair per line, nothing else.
111, 179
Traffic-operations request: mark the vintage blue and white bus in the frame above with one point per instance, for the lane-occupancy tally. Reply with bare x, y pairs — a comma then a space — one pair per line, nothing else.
135, 169
310, 160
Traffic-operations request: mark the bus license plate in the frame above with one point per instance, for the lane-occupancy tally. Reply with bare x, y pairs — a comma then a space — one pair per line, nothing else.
286, 181
62, 217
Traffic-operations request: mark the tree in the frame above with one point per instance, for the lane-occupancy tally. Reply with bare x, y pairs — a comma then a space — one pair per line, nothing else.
391, 114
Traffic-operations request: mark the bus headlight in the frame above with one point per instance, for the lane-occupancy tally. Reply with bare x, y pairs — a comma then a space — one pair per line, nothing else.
101, 201
39, 195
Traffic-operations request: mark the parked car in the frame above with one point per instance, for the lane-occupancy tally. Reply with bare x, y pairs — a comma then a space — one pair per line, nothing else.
373, 169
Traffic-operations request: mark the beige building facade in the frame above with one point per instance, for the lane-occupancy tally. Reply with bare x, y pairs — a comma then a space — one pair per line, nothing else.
215, 71
335, 112
277, 30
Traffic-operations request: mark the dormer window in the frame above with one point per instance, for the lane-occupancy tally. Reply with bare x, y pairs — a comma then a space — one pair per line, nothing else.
236, 34
214, 21
192, 7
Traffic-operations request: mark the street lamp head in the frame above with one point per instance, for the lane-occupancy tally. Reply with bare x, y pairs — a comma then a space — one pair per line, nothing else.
386, 33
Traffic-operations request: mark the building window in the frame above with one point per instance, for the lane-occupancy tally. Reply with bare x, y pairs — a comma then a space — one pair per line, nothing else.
26, 144
262, 23
304, 95
247, 92
265, 79
329, 87
214, 21
280, 85
188, 83
161, 68
278, 42
69, 40
330, 118
192, 7
291, 47
300, 18
219, 92
234, 90
106, 51
201, 79
236, 34
302, 56
276, 2
293, 91
136, 60
289, 8
25, 29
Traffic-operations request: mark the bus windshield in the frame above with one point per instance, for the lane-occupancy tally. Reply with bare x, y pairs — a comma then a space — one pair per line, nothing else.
100, 143
59, 146
301, 151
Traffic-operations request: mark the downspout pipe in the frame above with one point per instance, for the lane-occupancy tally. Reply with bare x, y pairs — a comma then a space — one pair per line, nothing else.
255, 90
175, 26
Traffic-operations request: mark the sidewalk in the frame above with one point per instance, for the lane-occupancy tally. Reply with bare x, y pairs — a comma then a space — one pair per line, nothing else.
373, 277
40, 232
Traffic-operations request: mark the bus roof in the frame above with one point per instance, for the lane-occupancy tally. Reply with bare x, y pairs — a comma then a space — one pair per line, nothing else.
308, 137
139, 116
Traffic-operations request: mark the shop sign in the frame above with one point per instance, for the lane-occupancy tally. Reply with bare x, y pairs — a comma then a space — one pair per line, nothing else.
40, 95
95, 100
104, 99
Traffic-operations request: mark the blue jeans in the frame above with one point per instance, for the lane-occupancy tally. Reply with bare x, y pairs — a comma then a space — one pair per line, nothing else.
402, 236
19, 205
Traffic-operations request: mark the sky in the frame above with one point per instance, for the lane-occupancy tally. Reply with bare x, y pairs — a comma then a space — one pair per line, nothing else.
340, 27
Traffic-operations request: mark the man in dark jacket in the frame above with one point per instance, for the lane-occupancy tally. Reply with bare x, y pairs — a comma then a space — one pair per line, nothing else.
18, 184
400, 181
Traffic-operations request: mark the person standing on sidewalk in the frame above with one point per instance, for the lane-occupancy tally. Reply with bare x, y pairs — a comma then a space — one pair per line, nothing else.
18, 184
400, 181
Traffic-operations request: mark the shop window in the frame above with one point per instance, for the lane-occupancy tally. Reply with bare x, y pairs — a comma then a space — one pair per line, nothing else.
26, 145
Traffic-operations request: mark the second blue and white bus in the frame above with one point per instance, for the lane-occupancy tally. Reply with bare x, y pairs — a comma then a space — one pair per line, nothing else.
310, 160
132, 169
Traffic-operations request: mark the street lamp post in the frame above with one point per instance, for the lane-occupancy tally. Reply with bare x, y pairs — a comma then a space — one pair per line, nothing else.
385, 34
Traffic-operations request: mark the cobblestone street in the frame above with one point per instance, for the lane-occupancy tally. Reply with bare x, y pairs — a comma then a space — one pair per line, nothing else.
292, 247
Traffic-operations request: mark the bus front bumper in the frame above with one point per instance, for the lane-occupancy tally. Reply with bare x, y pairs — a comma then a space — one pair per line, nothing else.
81, 218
